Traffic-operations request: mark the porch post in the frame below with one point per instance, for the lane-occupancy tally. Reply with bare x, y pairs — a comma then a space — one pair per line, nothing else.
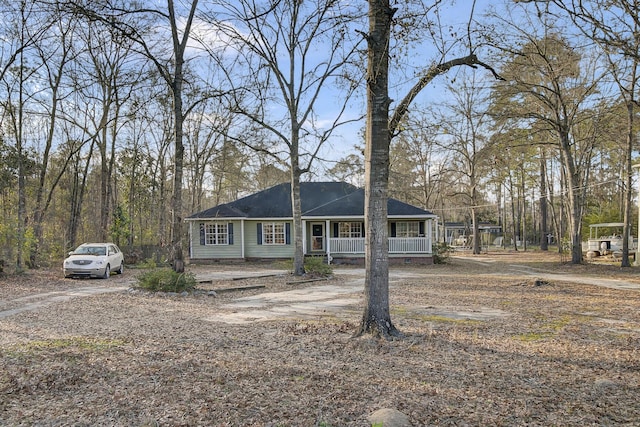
429, 228
190, 239
242, 238
304, 237
327, 232
437, 227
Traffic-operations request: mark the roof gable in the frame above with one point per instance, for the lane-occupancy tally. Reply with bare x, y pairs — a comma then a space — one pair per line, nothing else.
318, 199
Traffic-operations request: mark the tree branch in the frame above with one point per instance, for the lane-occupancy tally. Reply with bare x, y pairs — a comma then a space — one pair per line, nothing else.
402, 108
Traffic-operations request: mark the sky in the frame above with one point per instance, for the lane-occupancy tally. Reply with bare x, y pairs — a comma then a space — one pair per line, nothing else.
455, 15
406, 66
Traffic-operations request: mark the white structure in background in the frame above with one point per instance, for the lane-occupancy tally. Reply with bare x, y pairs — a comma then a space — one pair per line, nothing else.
608, 242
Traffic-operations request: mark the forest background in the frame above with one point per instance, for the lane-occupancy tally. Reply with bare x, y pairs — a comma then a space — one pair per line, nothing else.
90, 114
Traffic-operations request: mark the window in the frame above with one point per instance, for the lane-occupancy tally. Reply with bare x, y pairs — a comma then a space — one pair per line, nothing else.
408, 229
273, 233
350, 229
216, 233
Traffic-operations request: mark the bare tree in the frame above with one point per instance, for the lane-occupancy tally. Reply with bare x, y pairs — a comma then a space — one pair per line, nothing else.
417, 162
105, 75
615, 27
463, 123
171, 69
548, 82
348, 169
291, 52
29, 24
154, 108
55, 58
380, 128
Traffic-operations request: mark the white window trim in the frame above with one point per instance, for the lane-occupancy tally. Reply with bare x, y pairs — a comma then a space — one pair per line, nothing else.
217, 235
273, 233
351, 234
408, 227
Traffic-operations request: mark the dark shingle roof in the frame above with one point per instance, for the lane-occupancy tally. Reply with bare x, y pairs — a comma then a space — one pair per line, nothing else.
318, 199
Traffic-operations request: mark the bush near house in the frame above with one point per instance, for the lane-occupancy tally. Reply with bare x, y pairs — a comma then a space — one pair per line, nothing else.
166, 280
441, 253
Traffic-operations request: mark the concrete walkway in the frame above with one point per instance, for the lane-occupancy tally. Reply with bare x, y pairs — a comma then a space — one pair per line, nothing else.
306, 303
309, 302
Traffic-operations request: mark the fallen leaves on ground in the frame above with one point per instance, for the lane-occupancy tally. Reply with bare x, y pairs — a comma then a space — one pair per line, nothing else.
559, 354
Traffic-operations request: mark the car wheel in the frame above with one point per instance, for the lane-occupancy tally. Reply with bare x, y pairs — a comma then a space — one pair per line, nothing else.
107, 272
121, 269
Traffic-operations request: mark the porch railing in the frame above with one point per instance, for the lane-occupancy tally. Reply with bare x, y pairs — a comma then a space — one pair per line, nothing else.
347, 245
397, 245
408, 245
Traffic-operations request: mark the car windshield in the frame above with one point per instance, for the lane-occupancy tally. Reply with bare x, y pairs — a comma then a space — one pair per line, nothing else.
91, 250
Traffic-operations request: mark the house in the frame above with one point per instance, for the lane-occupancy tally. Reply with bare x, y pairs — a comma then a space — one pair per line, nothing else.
259, 227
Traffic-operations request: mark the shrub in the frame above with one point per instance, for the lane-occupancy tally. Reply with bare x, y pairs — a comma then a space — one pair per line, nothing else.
316, 265
166, 280
312, 265
441, 252
148, 263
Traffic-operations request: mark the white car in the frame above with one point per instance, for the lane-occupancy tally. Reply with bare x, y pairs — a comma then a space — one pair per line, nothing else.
94, 260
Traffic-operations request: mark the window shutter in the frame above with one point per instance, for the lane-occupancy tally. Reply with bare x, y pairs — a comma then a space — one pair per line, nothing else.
363, 228
202, 230
421, 228
336, 229
230, 231
393, 229
287, 233
259, 233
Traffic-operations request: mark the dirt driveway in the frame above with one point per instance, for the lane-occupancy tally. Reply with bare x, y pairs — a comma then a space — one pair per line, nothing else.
317, 300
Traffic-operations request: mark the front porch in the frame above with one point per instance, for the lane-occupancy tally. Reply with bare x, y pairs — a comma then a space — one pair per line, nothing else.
322, 238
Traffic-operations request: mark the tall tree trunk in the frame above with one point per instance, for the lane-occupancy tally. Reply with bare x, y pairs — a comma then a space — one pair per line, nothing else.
377, 318
380, 127
476, 232
514, 222
176, 82
628, 182
40, 209
132, 192
524, 223
176, 200
631, 102
544, 242
112, 196
77, 197
562, 224
101, 139
22, 190
298, 256
574, 198
477, 239
523, 211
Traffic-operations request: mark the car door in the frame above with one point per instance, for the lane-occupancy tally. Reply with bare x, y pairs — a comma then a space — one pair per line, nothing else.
113, 256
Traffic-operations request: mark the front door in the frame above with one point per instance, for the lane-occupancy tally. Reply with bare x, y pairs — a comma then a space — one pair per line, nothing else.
317, 236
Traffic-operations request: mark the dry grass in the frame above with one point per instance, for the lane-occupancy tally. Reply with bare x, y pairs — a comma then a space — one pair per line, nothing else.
483, 346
